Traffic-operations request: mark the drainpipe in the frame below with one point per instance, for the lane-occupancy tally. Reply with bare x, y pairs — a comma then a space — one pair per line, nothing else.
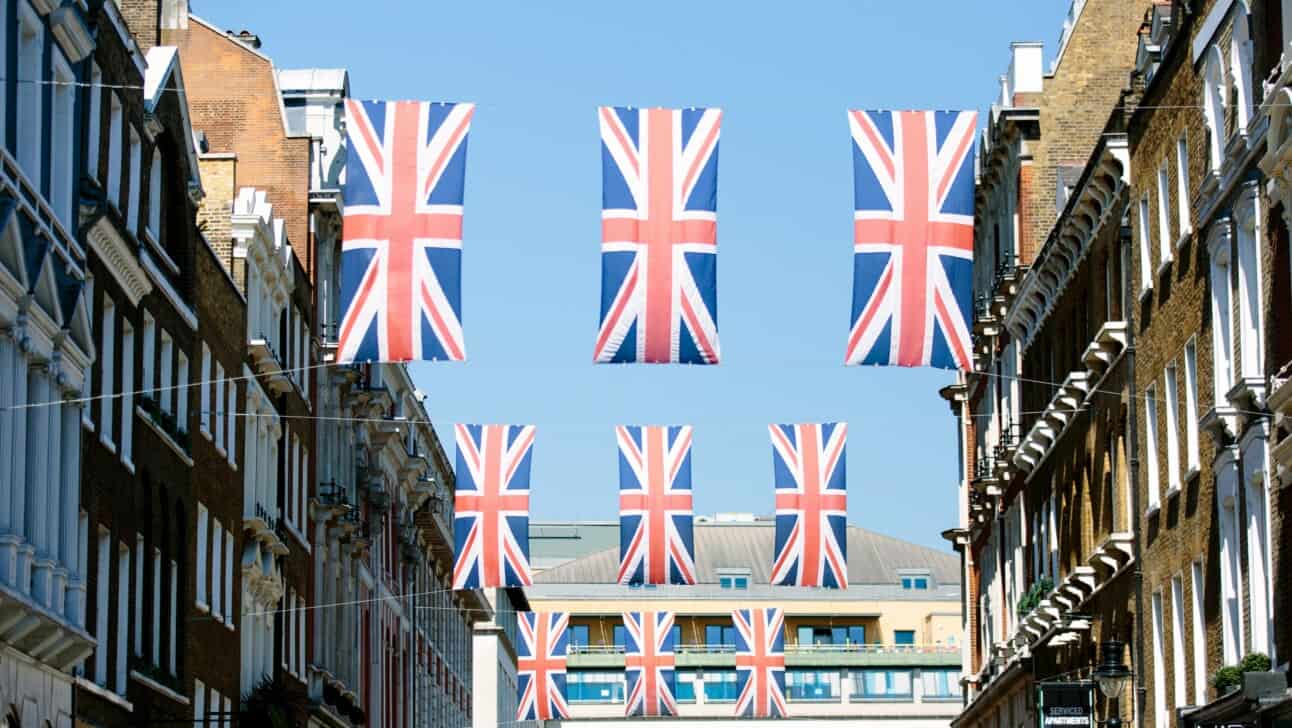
1132, 445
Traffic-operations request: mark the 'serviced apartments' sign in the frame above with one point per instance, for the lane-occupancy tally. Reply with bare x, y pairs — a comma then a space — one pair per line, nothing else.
1066, 705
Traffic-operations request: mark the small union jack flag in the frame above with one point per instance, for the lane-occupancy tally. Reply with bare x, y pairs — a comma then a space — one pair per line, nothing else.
760, 663
659, 235
656, 538
540, 665
912, 238
401, 252
648, 663
491, 522
811, 505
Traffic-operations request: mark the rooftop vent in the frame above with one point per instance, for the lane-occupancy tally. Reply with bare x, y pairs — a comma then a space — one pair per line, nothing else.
245, 37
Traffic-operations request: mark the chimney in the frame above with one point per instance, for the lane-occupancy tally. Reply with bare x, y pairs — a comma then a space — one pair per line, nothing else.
246, 37
141, 18
174, 14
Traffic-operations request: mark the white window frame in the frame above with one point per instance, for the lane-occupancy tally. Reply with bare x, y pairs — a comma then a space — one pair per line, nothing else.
1193, 457
102, 588
1199, 634
204, 386
1182, 187
181, 392
1153, 481
203, 555
166, 385
107, 372
140, 557
231, 421
127, 394
199, 703
1164, 240
1213, 104
94, 94
228, 578
1222, 318
1159, 663
1248, 235
30, 109
136, 194
150, 357
219, 400
155, 648
1240, 61
1231, 569
123, 614
1145, 245
1180, 678
154, 195
116, 129
62, 165
1256, 516
217, 568
174, 617
1171, 405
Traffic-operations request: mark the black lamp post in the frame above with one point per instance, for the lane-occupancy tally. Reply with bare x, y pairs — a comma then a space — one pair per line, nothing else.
1112, 675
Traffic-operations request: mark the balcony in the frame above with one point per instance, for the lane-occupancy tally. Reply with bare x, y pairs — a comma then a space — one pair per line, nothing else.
986, 477
1052, 423
387, 429
724, 656
269, 365
262, 525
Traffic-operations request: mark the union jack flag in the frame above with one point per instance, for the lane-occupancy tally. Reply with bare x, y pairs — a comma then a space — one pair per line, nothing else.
491, 521
659, 235
648, 662
401, 252
540, 665
912, 238
760, 662
811, 505
656, 539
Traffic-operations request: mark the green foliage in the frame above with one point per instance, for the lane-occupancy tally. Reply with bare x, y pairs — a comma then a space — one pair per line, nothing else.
273, 704
1034, 595
1230, 677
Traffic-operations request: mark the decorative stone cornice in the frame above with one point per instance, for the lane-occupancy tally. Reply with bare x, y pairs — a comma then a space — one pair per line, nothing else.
119, 259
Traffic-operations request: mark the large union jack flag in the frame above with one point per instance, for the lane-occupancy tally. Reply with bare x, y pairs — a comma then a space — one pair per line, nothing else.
760, 662
401, 252
648, 663
659, 235
912, 238
491, 522
540, 666
656, 539
811, 505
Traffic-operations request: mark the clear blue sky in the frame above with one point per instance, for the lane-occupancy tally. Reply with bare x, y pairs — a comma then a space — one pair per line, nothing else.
784, 74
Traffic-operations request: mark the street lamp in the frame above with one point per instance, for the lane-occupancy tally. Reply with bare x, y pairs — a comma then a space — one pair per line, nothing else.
1111, 676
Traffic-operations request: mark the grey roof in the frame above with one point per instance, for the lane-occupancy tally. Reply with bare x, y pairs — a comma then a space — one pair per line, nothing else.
313, 79
873, 559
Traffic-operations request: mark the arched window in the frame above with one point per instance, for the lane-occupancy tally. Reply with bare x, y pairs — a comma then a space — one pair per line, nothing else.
1240, 67
1213, 99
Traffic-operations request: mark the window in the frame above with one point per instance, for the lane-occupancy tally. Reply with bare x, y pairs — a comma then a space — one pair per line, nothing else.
123, 613
1231, 573
820, 685
684, 685
1255, 471
1192, 457
219, 400
31, 42
1145, 267
1240, 60
578, 635
1172, 429
107, 375
1177, 640
102, 581
1159, 664
155, 618
619, 637
127, 393
595, 687
904, 637
148, 383
204, 386
881, 684
940, 684
231, 421
132, 208
174, 615
1251, 352
62, 171
155, 195
915, 582
115, 130
228, 578
1150, 449
1213, 104
1199, 637
167, 392
733, 582
202, 555
1163, 214
217, 555
139, 594
717, 635
1182, 185
720, 686
181, 394
1221, 318
94, 95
